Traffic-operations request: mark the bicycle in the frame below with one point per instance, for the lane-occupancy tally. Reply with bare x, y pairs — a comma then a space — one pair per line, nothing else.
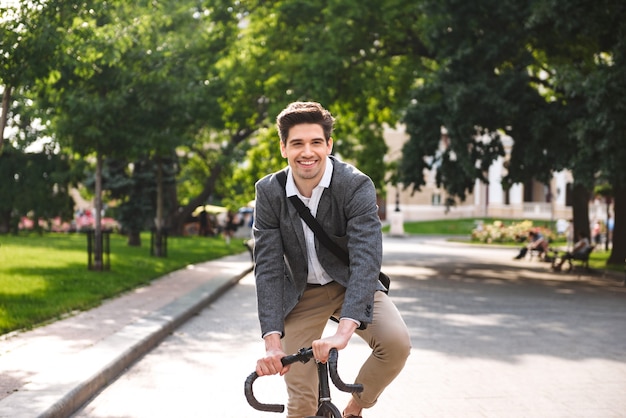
326, 409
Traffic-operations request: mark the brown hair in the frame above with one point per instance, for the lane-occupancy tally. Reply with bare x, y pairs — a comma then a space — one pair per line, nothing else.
304, 112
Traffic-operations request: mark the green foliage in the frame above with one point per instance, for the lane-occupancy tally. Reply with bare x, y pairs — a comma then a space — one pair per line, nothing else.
205, 79
137, 80
133, 190
538, 75
551, 75
35, 185
480, 90
262, 158
349, 56
56, 282
130, 81
29, 46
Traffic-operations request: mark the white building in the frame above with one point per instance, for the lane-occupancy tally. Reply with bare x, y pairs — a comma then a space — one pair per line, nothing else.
532, 200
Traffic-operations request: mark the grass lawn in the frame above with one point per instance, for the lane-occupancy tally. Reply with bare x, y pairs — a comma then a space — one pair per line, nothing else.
456, 226
43, 278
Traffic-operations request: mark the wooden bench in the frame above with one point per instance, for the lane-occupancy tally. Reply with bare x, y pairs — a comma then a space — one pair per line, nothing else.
582, 258
542, 253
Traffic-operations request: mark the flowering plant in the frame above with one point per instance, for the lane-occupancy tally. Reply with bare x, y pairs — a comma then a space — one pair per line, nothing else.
498, 232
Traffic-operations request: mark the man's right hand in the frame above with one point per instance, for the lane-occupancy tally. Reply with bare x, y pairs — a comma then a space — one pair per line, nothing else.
270, 364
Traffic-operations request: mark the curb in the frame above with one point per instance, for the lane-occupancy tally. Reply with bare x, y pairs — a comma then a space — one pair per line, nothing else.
63, 390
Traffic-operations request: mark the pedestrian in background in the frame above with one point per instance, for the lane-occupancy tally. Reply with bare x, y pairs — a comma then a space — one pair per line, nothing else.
536, 242
230, 226
579, 251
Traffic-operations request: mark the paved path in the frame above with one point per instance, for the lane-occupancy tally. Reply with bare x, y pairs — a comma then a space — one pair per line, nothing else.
491, 338
51, 371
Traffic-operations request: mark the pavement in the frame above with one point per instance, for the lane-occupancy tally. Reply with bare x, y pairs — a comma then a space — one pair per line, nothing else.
54, 369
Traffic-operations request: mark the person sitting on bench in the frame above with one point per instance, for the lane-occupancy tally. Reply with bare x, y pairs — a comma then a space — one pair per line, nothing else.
536, 243
579, 252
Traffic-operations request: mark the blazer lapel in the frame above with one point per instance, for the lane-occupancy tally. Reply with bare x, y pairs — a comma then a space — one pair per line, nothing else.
324, 206
296, 223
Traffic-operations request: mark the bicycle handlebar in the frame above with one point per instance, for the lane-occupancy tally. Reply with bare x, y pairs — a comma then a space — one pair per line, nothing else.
303, 355
333, 356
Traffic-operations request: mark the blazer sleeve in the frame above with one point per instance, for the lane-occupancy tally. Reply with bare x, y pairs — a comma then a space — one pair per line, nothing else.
269, 266
364, 242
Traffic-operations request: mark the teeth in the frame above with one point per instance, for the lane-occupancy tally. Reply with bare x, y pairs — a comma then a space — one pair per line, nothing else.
307, 162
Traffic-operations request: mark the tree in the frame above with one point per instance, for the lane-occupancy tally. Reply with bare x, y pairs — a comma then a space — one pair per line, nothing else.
585, 44
171, 98
532, 71
29, 45
36, 184
480, 88
87, 95
134, 84
350, 56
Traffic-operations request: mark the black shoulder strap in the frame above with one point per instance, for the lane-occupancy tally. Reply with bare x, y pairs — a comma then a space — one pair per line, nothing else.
317, 229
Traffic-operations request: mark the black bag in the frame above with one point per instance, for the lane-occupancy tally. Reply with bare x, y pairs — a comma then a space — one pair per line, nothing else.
385, 280
317, 229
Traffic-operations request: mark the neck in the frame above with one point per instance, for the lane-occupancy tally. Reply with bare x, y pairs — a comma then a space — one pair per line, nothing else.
306, 186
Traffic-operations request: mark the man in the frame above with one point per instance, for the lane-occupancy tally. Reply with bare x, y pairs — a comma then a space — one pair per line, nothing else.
536, 242
579, 252
300, 283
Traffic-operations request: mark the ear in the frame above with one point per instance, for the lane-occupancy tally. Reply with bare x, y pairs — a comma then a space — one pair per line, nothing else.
329, 146
283, 152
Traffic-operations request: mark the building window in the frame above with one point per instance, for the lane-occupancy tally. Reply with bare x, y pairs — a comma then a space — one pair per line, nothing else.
436, 199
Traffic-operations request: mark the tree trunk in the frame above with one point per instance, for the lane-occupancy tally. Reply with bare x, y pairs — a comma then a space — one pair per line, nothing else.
618, 251
158, 221
607, 240
176, 219
134, 239
97, 247
4, 112
580, 208
5, 221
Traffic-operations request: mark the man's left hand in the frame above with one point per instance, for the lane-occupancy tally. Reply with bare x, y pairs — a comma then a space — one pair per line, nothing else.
322, 347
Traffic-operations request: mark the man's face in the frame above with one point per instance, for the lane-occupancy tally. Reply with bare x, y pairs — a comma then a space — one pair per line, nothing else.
306, 151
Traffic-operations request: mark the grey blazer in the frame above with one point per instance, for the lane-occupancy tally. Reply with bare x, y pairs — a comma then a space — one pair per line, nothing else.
348, 213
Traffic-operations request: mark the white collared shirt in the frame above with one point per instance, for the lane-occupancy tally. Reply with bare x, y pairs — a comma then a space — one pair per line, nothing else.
317, 274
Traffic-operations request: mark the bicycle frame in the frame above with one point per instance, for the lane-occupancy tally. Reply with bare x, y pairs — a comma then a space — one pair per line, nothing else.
325, 407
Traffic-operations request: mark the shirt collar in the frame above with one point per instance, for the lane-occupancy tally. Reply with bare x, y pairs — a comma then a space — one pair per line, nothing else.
290, 186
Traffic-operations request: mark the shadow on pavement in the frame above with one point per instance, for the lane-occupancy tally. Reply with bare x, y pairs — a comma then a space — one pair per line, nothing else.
505, 311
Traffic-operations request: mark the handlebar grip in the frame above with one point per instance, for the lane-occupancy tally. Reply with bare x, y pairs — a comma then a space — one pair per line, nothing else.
252, 400
303, 355
333, 355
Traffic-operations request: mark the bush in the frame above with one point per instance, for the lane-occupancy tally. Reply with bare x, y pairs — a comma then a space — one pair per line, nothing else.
498, 232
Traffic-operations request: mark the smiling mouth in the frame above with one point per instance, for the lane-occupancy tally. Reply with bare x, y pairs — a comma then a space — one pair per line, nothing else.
308, 163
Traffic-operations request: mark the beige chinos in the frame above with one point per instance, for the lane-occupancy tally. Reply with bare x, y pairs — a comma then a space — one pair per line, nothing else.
387, 335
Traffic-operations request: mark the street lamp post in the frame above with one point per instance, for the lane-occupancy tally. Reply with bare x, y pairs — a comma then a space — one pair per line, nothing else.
397, 200
397, 218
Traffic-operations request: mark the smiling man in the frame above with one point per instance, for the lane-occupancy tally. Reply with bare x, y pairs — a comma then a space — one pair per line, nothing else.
301, 284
